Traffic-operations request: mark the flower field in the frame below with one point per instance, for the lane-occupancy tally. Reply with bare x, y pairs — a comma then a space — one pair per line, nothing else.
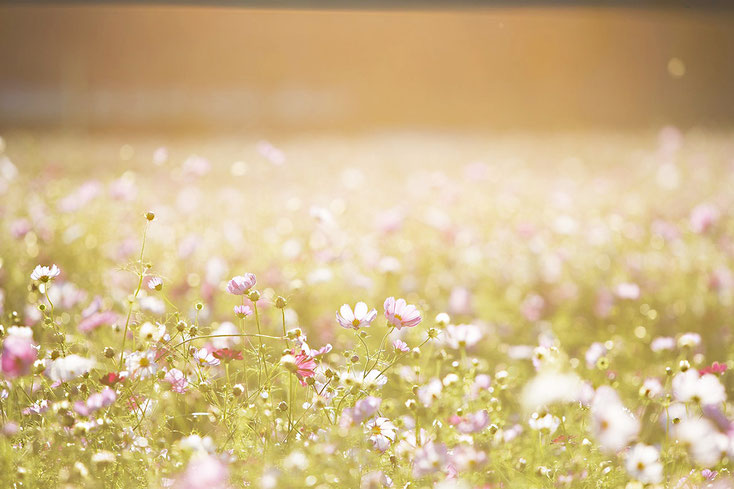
395, 310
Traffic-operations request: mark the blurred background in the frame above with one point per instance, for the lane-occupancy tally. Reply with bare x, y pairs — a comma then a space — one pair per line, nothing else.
174, 68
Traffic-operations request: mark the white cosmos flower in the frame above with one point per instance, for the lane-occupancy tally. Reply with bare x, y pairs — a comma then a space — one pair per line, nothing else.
205, 358
20, 331
547, 423
705, 443
44, 274
614, 426
141, 364
690, 386
64, 369
643, 464
152, 332
458, 336
382, 433
358, 318
551, 387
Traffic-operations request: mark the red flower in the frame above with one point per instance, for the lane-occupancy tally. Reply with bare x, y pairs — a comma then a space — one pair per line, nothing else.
111, 379
227, 354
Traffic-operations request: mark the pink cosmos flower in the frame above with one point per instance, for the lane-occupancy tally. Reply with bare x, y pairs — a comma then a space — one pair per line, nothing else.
204, 471
242, 311
470, 423
96, 402
18, 356
305, 367
241, 284
360, 317
400, 345
95, 320
177, 379
363, 409
401, 314
703, 217
714, 368
429, 458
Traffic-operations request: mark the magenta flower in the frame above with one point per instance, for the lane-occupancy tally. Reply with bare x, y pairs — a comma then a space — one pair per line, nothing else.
305, 367
241, 284
360, 317
18, 356
401, 314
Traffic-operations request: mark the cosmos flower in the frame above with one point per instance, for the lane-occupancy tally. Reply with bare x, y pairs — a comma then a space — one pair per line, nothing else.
141, 364
643, 464
360, 317
300, 364
242, 311
458, 336
241, 284
155, 283
18, 355
613, 425
95, 402
205, 358
401, 314
704, 442
400, 345
227, 354
382, 433
429, 458
152, 332
363, 409
64, 369
690, 386
470, 423
44, 274
546, 423
177, 379
204, 471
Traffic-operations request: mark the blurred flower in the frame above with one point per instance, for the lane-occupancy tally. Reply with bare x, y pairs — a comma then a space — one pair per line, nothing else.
177, 379
703, 216
470, 423
461, 336
643, 464
18, 355
429, 458
400, 345
613, 425
64, 369
694, 387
